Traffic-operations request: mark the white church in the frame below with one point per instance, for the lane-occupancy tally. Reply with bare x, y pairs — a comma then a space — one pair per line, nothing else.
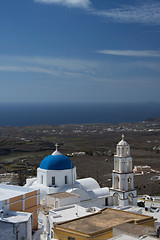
57, 174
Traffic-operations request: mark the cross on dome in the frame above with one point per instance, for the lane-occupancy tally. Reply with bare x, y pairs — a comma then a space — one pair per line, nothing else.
122, 142
56, 152
56, 145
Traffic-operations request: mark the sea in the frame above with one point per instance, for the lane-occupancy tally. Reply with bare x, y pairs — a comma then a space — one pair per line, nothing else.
27, 114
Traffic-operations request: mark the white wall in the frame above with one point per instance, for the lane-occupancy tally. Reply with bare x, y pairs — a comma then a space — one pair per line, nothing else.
59, 177
69, 200
51, 201
123, 167
9, 230
6, 231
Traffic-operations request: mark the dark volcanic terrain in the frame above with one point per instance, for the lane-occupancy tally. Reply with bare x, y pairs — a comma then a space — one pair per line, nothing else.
23, 148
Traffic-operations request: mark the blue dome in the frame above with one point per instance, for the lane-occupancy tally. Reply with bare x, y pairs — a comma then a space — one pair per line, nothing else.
56, 162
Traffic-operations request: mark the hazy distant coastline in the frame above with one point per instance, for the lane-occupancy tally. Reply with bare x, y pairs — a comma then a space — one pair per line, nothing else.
23, 114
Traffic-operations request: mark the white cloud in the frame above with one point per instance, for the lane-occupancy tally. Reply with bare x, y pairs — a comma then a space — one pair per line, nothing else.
59, 67
131, 53
68, 3
18, 68
145, 12
81, 72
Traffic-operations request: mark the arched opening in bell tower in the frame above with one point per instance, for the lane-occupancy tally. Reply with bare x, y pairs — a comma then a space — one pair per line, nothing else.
116, 199
129, 183
117, 182
122, 151
127, 151
118, 151
130, 199
128, 166
117, 166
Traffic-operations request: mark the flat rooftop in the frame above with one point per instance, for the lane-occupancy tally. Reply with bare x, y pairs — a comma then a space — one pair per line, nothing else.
104, 220
71, 212
15, 217
126, 237
136, 230
10, 191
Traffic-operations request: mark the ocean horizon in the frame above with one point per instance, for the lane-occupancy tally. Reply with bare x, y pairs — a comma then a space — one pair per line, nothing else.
28, 114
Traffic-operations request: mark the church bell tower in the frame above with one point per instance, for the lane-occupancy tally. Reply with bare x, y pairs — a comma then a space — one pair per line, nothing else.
122, 176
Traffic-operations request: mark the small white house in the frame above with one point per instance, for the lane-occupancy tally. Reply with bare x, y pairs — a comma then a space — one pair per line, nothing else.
15, 225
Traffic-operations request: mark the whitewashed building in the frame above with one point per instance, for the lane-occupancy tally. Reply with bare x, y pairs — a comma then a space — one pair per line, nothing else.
19, 207
61, 192
15, 225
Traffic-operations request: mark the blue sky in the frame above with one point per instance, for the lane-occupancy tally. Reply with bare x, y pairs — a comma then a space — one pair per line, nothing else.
80, 51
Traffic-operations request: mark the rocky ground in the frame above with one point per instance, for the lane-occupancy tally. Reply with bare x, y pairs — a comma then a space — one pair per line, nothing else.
23, 148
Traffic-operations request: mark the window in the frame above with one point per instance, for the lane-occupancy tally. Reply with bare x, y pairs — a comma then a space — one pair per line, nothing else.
66, 180
53, 180
41, 179
71, 238
106, 202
